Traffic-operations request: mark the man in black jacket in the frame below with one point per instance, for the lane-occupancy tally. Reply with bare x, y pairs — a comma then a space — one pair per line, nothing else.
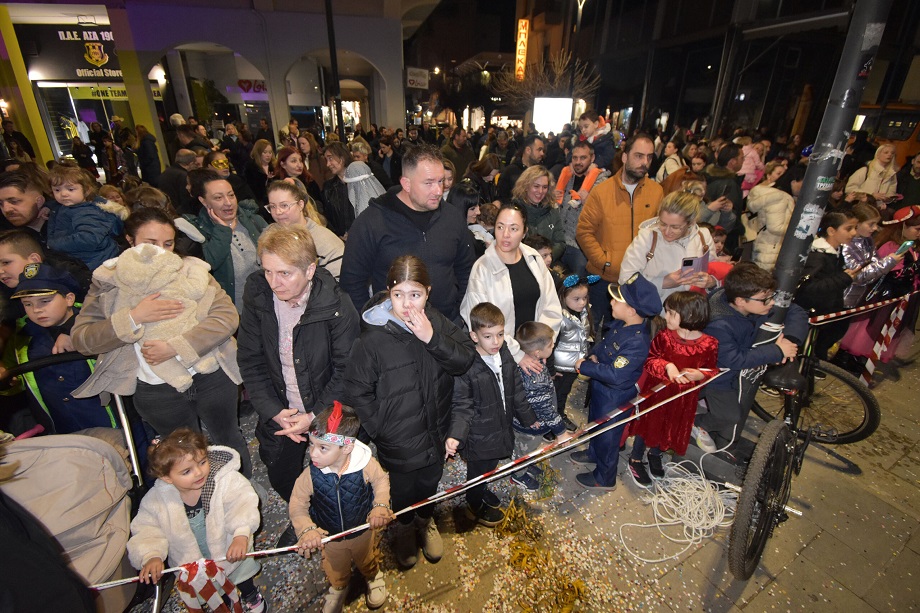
722, 180
410, 220
174, 179
531, 153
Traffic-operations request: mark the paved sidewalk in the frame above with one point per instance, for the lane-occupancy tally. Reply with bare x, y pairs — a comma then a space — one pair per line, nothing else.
857, 547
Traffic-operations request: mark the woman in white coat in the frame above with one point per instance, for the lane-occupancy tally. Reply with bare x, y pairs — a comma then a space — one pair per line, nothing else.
878, 178
770, 210
661, 246
513, 277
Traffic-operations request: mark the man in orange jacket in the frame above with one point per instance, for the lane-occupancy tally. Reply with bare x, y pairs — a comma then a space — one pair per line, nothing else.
575, 183
611, 216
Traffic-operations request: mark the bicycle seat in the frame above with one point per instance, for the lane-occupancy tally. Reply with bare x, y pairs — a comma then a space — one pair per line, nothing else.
785, 377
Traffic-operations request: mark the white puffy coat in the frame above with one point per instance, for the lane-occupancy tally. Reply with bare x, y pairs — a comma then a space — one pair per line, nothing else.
490, 281
161, 528
774, 210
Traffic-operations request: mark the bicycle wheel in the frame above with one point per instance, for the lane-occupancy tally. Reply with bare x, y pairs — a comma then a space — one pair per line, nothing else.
762, 499
841, 404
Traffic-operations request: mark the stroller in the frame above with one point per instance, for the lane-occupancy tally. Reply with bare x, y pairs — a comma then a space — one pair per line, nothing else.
79, 487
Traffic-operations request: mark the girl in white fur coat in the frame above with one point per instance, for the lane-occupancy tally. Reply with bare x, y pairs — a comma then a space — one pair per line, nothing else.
199, 507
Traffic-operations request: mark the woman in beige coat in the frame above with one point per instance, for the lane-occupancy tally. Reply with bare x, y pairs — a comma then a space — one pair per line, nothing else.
878, 178
156, 368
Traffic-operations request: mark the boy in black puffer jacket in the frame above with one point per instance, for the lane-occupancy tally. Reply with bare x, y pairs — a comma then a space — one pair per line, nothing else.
484, 399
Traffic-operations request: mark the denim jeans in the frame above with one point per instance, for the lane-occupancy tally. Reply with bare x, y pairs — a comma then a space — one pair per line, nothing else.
212, 398
574, 261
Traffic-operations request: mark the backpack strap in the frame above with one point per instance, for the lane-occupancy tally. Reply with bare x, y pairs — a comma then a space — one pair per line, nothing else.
703, 242
651, 250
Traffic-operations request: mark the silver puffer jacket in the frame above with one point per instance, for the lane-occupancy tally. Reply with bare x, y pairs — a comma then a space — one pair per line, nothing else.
572, 343
859, 251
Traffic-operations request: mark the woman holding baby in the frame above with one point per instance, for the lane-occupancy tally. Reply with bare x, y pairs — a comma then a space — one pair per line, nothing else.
163, 329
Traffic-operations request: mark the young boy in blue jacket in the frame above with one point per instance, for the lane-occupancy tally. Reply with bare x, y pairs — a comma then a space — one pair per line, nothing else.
48, 296
615, 366
737, 311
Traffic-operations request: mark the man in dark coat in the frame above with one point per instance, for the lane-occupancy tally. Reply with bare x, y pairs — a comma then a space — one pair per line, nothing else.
532, 153
10, 134
174, 179
411, 220
722, 179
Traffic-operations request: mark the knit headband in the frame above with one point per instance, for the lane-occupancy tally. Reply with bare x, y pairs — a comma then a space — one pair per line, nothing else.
332, 424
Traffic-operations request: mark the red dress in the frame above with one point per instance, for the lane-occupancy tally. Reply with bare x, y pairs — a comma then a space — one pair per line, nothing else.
668, 427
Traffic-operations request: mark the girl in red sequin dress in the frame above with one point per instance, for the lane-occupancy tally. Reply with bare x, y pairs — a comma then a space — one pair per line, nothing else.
676, 354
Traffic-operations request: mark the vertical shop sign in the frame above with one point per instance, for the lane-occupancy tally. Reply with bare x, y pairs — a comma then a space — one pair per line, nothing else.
520, 56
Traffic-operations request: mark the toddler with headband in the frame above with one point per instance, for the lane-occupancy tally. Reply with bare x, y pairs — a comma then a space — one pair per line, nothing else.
343, 487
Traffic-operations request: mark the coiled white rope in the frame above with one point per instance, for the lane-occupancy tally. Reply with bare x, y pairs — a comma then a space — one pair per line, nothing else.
685, 497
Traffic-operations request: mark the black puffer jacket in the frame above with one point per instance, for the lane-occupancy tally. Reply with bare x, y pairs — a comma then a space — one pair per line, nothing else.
402, 388
322, 344
479, 418
338, 209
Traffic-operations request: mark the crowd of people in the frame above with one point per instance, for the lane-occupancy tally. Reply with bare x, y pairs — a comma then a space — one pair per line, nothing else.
437, 295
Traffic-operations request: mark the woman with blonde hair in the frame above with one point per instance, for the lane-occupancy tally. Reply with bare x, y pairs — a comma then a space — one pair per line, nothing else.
664, 242
289, 206
532, 191
259, 170
878, 177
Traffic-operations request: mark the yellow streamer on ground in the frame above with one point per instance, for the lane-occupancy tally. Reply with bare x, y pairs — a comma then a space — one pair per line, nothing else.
551, 590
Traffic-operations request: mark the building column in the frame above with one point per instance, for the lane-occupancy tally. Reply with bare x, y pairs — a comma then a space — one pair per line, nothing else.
179, 82
140, 97
16, 88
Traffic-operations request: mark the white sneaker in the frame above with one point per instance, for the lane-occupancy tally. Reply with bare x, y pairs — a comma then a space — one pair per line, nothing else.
335, 600
376, 591
703, 440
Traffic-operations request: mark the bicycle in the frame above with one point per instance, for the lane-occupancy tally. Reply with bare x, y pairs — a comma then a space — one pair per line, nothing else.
832, 397
780, 451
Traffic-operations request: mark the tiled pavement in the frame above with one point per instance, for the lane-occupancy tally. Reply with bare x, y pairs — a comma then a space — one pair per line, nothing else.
856, 548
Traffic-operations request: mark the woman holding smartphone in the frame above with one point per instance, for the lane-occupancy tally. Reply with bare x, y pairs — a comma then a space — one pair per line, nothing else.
665, 249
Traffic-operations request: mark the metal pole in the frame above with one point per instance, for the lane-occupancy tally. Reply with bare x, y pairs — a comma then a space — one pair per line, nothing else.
336, 89
723, 89
581, 5
863, 37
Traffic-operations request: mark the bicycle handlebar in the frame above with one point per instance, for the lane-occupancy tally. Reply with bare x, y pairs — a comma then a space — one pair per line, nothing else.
51, 360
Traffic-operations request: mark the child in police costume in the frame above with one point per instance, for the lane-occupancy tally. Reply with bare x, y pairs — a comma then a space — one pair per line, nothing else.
50, 297
343, 487
615, 366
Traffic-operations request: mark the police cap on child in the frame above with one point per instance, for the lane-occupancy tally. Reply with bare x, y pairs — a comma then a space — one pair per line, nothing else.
43, 280
639, 293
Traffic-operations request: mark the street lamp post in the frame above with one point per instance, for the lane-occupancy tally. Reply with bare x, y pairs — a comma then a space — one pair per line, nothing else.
336, 87
581, 5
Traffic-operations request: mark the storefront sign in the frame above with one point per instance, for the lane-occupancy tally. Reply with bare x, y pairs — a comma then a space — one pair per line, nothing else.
520, 54
417, 78
65, 52
256, 86
117, 92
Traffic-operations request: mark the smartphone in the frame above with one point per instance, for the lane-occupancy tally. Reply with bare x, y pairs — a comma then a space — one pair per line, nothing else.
694, 265
904, 247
